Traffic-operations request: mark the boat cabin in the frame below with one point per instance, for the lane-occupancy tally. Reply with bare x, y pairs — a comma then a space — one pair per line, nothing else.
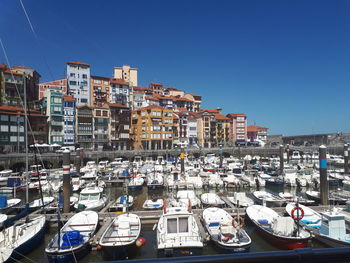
333, 225
90, 194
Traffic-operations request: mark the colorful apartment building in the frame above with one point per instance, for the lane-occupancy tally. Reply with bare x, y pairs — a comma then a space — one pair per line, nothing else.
257, 133
59, 85
152, 128
78, 77
99, 91
84, 127
53, 101
120, 92
69, 113
126, 73
101, 121
238, 133
120, 119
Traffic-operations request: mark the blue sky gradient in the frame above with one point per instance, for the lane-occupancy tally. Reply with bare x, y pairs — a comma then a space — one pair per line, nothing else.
285, 64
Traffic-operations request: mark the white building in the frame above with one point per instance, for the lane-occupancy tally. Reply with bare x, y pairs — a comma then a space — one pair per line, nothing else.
127, 74
69, 120
120, 92
78, 76
192, 130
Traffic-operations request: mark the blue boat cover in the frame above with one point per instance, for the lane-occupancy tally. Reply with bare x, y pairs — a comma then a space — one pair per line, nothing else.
213, 224
3, 201
263, 221
72, 238
60, 201
170, 159
126, 173
122, 199
13, 181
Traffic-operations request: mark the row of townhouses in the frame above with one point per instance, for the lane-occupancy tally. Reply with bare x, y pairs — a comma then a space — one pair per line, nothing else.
98, 112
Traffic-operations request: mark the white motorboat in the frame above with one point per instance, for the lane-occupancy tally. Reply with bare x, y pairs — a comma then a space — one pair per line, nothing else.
21, 238
91, 198
211, 199
271, 200
240, 199
124, 201
152, 204
184, 198
38, 203
77, 184
178, 233
6, 205
118, 241
226, 232
72, 241
136, 183
4, 175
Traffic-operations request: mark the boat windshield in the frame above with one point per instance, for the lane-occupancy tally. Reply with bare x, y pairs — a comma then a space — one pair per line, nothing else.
177, 225
90, 197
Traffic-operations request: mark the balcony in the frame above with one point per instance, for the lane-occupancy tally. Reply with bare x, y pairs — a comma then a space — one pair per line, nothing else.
56, 123
53, 133
101, 123
85, 140
100, 132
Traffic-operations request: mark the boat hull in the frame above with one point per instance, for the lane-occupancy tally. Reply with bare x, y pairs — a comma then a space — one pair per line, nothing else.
119, 252
180, 252
282, 242
68, 256
331, 242
135, 187
28, 246
232, 249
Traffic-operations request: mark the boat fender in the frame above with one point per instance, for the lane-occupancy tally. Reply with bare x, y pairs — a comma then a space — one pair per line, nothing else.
301, 214
225, 239
98, 248
238, 222
140, 242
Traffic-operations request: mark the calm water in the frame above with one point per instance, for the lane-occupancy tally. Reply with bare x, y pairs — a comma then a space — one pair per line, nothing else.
150, 250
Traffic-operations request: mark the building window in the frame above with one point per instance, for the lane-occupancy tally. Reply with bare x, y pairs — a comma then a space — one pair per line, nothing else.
105, 113
4, 128
4, 117
83, 100
97, 81
98, 112
72, 75
84, 76
72, 83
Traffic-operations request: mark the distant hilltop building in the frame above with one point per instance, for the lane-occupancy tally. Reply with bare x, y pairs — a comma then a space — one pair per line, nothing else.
126, 73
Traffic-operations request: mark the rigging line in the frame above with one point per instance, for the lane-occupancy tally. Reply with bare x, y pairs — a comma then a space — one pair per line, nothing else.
20, 97
27, 258
36, 38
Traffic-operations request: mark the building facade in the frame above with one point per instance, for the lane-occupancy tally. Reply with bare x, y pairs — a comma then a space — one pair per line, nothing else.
152, 128
101, 117
99, 91
84, 127
54, 111
120, 92
120, 127
257, 133
238, 133
126, 73
78, 77
56, 85
69, 113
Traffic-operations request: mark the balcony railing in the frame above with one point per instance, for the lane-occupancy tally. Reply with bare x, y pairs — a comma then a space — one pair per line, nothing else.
57, 123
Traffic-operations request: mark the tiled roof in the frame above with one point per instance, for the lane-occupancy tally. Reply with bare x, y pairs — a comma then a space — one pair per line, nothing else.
21, 67
9, 71
68, 98
12, 108
254, 128
211, 110
152, 107
118, 81
78, 63
219, 116
232, 115
151, 98
99, 77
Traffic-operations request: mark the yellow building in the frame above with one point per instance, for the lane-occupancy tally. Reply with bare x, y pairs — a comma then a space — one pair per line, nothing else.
152, 128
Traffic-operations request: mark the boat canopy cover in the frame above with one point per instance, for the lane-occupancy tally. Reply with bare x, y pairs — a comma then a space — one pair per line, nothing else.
122, 199
283, 226
13, 181
3, 201
72, 238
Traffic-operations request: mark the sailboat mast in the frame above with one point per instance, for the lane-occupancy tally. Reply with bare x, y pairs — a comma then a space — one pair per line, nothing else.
26, 136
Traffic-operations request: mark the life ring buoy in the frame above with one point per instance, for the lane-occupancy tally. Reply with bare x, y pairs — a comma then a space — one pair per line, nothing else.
238, 222
301, 214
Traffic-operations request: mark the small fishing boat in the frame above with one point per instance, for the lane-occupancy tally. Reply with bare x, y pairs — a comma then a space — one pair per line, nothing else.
224, 231
91, 198
281, 231
4, 175
118, 241
270, 199
72, 241
155, 181
136, 183
211, 199
77, 184
293, 199
333, 198
38, 203
333, 230
153, 204
309, 218
178, 233
240, 199
124, 201
184, 198
6, 205
21, 238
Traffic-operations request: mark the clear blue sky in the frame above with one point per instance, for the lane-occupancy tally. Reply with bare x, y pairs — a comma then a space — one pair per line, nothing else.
286, 64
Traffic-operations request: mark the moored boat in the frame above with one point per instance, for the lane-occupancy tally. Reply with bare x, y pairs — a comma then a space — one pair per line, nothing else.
21, 238
226, 232
211, 199
281, 231
72, 241
270, 199
153, 204
118, 241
